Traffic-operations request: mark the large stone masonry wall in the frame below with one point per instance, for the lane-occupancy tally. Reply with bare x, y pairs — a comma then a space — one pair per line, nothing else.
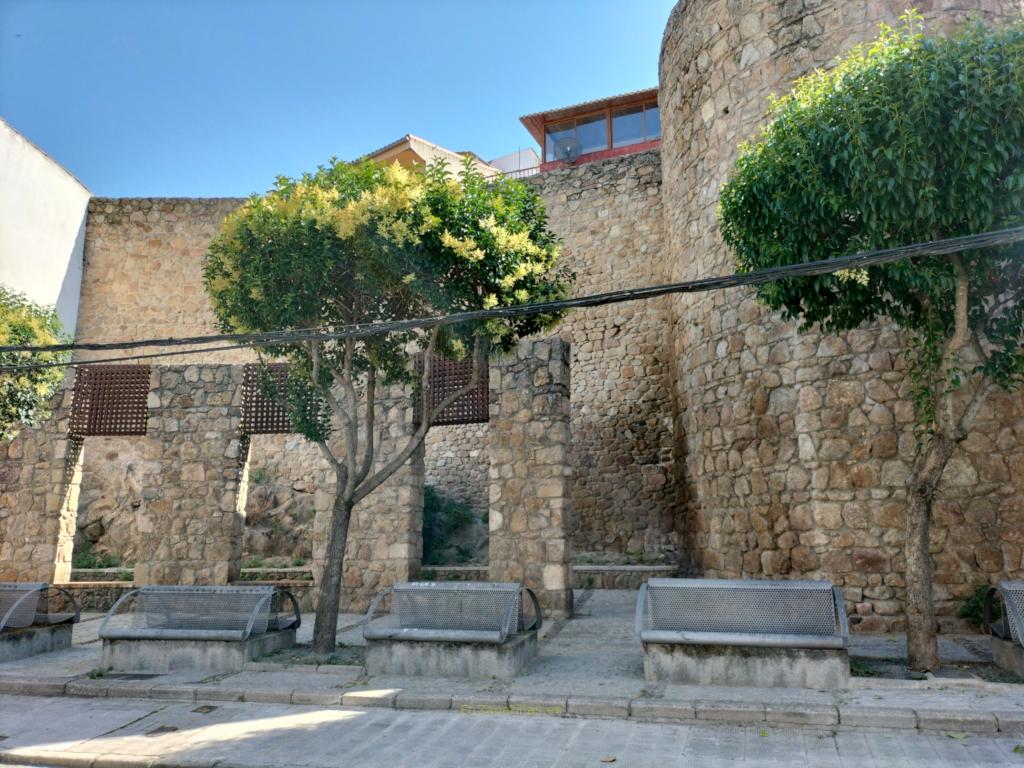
794, 448
609, 214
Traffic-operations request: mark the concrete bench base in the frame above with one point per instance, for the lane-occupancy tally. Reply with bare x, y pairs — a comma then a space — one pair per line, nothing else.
446, 659
823, 669
21, 643
178, 655
1008, 656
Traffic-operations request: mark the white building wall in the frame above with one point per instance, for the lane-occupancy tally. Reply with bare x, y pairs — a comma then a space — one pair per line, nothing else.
42, 226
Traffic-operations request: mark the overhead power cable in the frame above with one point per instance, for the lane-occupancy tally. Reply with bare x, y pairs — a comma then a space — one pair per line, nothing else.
944, 247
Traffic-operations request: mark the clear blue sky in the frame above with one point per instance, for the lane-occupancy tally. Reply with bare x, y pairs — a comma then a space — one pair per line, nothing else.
217, 97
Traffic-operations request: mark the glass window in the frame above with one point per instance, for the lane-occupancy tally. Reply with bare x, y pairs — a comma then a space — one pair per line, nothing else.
627, 126
552, 135
592, 133
653, 122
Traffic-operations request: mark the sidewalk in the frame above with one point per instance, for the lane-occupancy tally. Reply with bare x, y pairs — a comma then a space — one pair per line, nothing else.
590, 666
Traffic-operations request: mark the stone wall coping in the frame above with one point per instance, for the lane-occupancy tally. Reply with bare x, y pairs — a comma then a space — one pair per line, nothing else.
673, 569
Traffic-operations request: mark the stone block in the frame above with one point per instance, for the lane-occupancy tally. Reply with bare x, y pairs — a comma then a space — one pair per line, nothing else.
956, 720
860, 716
656, 709
372, 698
802, 714
586, 706
422, 700
730, 711
322, 698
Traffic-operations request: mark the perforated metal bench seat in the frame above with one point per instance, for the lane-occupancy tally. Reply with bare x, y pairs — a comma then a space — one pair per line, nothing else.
742, 612
1011, 626
228, 613
468, 612
26, 604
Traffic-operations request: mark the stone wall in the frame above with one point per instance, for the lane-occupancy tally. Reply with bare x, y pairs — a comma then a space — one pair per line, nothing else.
609, 215
794, 448
142, 275
385, 542
531, 471
456, 463
39, 482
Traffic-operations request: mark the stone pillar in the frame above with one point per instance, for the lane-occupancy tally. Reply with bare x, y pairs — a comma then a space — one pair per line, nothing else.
385, 535
39, 475
190, 522
530, 474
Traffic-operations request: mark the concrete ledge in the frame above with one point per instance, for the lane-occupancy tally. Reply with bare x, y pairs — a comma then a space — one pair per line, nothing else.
802, 714
585, 706
818, 668
1008, 656
876, 717
419, 700
379, 698
654, 709
451, 659
18, 644
730, 711
947, 720
163, 656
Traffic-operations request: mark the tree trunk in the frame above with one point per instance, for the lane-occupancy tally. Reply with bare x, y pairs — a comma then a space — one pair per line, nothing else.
325, 628
922, 643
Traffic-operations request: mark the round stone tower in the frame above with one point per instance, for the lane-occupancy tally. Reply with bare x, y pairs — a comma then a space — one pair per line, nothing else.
794, 448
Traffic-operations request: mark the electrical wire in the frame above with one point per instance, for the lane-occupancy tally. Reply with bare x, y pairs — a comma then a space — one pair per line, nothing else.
943, 247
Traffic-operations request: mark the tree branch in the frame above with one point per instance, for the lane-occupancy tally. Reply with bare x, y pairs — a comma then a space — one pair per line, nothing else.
951, 355
480, 346
371, 408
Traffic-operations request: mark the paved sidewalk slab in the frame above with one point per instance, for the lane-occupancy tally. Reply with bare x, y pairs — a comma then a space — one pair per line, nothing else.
130, 734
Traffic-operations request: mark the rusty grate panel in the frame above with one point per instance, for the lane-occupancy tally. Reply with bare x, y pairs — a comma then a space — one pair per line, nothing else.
110, 400
262, 415
448, 376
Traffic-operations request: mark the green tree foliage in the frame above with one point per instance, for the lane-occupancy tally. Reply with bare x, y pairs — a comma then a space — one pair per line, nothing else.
24, 395
907, 139
364, 243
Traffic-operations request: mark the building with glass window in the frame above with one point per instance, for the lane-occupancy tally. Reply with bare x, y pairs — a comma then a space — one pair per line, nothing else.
596, 130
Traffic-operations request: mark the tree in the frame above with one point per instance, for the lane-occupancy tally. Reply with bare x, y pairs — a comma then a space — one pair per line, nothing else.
25, 394
905, 140
356, 244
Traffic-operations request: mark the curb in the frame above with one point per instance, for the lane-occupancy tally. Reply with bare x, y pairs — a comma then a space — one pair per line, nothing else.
1007, 722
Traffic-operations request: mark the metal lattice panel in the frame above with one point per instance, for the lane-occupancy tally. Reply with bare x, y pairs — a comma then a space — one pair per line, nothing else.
446, 611
200, 613
110, 400
262, 415
449, 376
1013, 601
692, 608
23, 604
19, 604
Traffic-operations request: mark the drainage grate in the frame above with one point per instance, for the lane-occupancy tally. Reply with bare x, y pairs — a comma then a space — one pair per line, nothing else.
130, 676
162, 730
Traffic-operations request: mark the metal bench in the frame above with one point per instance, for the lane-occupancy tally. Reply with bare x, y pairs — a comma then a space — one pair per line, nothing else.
743, 612
37, 604
471, 612
229, 613
1008, 629
452, 629
1011, 626
743, 632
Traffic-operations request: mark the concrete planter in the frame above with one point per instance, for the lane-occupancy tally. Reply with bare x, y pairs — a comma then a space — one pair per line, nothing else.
447, 659
162, 656
21, 643
818, 668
